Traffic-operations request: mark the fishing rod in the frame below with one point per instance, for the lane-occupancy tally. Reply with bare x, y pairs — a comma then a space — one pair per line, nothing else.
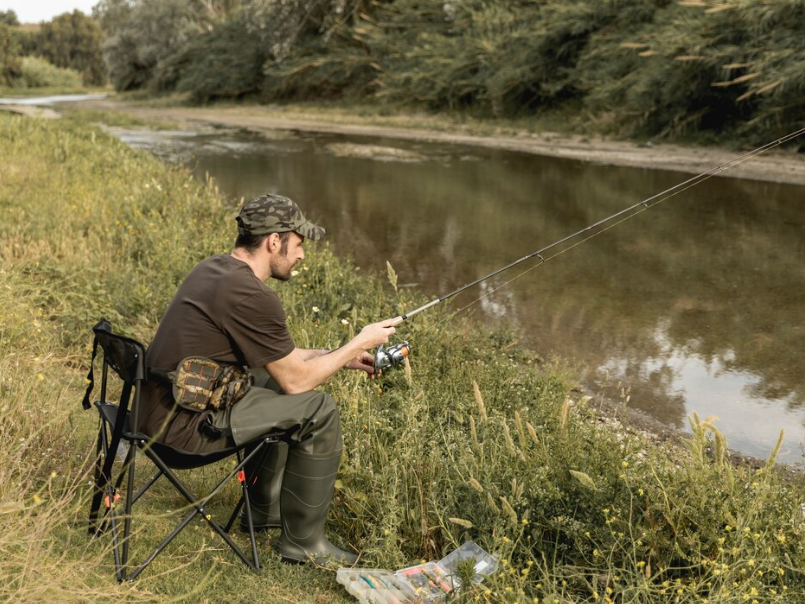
397, 354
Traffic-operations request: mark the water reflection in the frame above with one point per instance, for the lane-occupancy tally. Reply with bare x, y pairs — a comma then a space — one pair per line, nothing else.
696, 305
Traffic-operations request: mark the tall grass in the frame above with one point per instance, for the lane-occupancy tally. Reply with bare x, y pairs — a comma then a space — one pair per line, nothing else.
480, 439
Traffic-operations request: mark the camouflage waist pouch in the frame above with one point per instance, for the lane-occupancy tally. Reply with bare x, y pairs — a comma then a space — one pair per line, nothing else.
200, 384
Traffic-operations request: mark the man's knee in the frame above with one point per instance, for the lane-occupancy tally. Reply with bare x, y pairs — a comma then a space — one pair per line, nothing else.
327, 404
324, 424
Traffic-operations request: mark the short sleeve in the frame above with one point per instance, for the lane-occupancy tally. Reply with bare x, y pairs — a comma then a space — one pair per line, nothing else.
258, 329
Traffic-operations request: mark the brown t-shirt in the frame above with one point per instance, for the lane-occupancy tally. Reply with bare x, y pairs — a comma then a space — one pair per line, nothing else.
224, 312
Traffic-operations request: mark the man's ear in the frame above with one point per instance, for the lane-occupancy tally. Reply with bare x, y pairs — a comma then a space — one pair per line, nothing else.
273, 242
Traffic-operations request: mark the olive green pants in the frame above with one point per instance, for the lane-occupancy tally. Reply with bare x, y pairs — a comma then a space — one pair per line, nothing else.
309, 422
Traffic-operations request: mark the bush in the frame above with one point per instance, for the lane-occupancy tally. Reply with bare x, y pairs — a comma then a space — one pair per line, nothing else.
36, 72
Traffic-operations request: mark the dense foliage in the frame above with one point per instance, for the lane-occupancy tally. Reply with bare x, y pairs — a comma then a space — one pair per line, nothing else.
9, 17
639, 67
73, 41
69, 44
9, 55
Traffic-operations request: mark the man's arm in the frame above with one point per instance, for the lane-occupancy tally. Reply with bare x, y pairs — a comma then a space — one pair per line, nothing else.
311, 353
364, 361
303, 370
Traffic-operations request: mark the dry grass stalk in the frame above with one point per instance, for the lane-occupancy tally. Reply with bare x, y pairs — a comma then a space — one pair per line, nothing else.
476, 485
533, 433
479, 400
563, 414
509, 510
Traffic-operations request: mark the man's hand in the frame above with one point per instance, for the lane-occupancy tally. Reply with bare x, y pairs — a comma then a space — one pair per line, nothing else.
363, 362
377, 333
301, 371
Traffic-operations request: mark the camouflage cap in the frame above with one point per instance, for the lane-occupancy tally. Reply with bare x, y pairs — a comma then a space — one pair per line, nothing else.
275, 214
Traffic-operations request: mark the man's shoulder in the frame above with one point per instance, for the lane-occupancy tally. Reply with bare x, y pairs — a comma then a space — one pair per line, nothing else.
223, 267
234, 278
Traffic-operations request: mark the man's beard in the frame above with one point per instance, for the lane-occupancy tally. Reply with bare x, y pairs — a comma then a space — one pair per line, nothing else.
282, 273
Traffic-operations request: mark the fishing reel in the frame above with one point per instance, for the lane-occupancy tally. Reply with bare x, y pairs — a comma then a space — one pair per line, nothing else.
391, 356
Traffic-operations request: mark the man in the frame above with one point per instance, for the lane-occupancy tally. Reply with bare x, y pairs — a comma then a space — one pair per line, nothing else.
224, 311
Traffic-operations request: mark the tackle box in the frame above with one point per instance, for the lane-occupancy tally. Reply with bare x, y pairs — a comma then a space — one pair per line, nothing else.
427, 583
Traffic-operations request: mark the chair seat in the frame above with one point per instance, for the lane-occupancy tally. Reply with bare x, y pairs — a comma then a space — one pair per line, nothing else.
173, 458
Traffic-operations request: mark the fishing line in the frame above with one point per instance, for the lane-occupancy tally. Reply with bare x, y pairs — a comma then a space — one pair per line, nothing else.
626, 214
398, 353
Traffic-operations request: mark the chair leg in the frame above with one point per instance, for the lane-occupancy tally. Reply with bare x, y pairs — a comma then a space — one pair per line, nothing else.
128, 466
106, 493
200, 509
100, 483
110, 488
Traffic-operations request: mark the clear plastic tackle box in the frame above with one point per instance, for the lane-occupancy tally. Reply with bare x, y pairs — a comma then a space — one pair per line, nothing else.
421, 584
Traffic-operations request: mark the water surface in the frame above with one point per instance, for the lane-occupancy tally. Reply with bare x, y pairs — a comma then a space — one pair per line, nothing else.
696, 305
50, 100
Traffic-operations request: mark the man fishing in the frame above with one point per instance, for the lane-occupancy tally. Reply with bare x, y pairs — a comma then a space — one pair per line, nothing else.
225, 312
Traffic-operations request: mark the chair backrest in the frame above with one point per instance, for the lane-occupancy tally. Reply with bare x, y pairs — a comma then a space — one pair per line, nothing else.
125, 355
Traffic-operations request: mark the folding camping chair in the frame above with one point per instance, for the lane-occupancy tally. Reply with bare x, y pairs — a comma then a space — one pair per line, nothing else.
118, 422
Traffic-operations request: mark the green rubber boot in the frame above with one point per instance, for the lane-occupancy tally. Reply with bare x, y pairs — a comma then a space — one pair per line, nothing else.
307, 489
264, 494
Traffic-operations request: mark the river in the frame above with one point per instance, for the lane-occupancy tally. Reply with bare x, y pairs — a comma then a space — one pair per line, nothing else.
697, 305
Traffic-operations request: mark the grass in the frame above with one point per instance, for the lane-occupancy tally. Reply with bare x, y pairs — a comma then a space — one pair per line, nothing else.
481, 440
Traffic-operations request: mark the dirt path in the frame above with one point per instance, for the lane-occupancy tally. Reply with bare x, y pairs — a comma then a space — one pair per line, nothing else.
774, 166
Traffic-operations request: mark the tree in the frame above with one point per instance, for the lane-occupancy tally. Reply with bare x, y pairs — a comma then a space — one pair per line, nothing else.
9, 17
143, 39
226, 61
9, 55
73, 41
